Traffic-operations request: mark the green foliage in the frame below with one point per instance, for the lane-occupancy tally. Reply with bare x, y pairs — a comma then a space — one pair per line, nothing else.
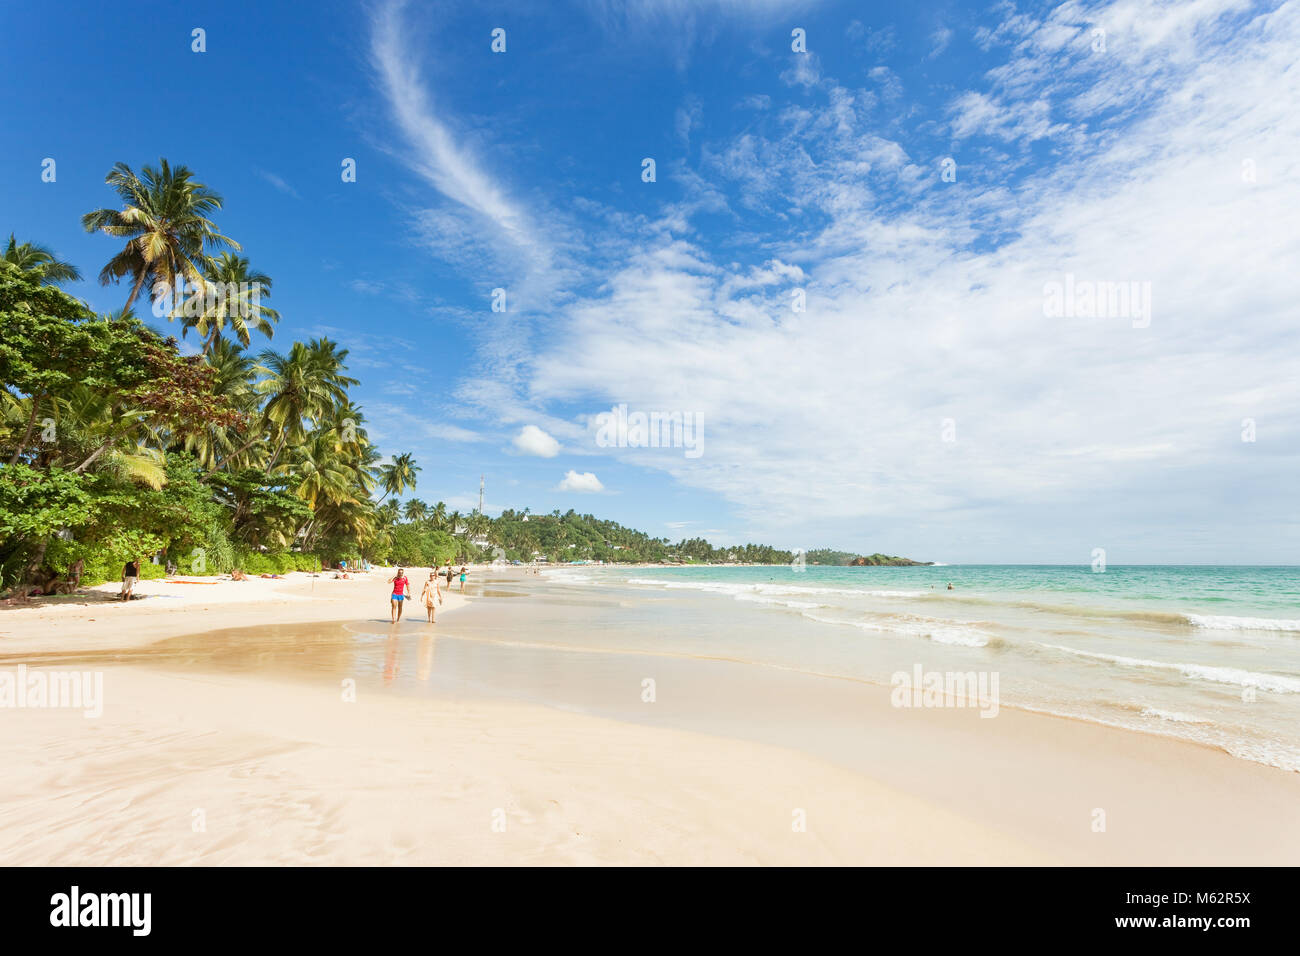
419, 546
114, 446
848, 559
36, 504
276, 562
218, 552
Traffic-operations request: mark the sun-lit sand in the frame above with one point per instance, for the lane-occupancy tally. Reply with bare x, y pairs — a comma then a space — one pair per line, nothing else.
97, 620
215, 770
223, 749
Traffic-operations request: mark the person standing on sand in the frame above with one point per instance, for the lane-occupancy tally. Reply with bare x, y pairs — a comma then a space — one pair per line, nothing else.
400, 583
462, 578
130, 574
449, 574
430, 592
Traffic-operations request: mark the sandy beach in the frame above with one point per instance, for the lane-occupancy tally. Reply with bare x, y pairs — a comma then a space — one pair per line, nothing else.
96, 620
271, 722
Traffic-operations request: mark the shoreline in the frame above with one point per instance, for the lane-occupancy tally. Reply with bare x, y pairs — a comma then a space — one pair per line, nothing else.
682, 783
99, 623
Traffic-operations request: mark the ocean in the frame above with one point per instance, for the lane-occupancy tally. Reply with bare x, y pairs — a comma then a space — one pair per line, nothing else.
1209, 654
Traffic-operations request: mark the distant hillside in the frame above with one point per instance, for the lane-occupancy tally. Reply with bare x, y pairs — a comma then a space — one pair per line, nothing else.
524, 536
846, 559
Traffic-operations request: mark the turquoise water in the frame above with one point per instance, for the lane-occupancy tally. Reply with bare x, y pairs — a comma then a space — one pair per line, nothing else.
1210, 654
1260, 592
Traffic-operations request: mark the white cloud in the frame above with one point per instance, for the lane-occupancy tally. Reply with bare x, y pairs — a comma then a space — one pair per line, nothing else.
531, 440
440, 157
977, 114
481, 221
805, 71
584, 482
939, 40
689, 116
925, 302
832, 418
279, 183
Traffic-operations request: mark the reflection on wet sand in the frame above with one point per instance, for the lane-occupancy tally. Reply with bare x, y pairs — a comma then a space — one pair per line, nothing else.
426, 658
390, 659
719, 672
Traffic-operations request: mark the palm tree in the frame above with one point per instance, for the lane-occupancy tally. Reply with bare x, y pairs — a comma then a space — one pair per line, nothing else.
164, 218
438, 516
415, 510
322, 473
388, 514
232, 381
33, 258
238, 303
303, 386
398, 475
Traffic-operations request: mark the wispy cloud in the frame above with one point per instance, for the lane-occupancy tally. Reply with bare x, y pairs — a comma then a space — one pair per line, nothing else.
921, 392
437, 154
915, 319
480, 218
279, 183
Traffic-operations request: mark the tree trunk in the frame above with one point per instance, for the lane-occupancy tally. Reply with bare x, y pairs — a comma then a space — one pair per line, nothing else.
135, 291
31, 423
33, 566
234, 454
278, 448
95, 454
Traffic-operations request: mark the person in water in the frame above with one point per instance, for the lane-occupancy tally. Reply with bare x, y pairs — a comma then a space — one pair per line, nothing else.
400, 583
431, 593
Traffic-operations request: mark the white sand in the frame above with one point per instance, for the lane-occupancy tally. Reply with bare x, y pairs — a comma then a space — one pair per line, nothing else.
96, 619
214, 768
287, 774
196, 765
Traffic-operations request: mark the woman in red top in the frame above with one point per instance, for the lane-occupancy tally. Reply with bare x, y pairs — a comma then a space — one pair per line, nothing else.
400, 583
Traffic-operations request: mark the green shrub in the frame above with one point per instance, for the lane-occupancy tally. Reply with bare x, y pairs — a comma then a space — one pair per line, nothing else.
101, 563
218, 553
276, 562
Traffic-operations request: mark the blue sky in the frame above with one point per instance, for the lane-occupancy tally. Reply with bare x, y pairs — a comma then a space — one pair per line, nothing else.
923, 402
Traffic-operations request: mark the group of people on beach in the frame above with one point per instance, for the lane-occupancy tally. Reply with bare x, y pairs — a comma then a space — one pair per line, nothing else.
431, 596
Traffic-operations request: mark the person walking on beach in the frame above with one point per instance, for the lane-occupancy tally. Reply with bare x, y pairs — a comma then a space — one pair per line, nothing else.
449, 574
400, 583
431, 592
130, 574
463, 571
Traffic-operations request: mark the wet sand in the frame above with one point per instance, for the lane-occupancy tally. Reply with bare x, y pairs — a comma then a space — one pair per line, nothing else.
517, 731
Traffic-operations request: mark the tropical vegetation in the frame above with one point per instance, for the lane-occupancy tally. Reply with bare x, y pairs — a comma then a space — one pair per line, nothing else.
114, 444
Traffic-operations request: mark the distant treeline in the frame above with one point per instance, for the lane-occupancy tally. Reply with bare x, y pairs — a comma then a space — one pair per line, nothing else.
845, 559
524, 536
